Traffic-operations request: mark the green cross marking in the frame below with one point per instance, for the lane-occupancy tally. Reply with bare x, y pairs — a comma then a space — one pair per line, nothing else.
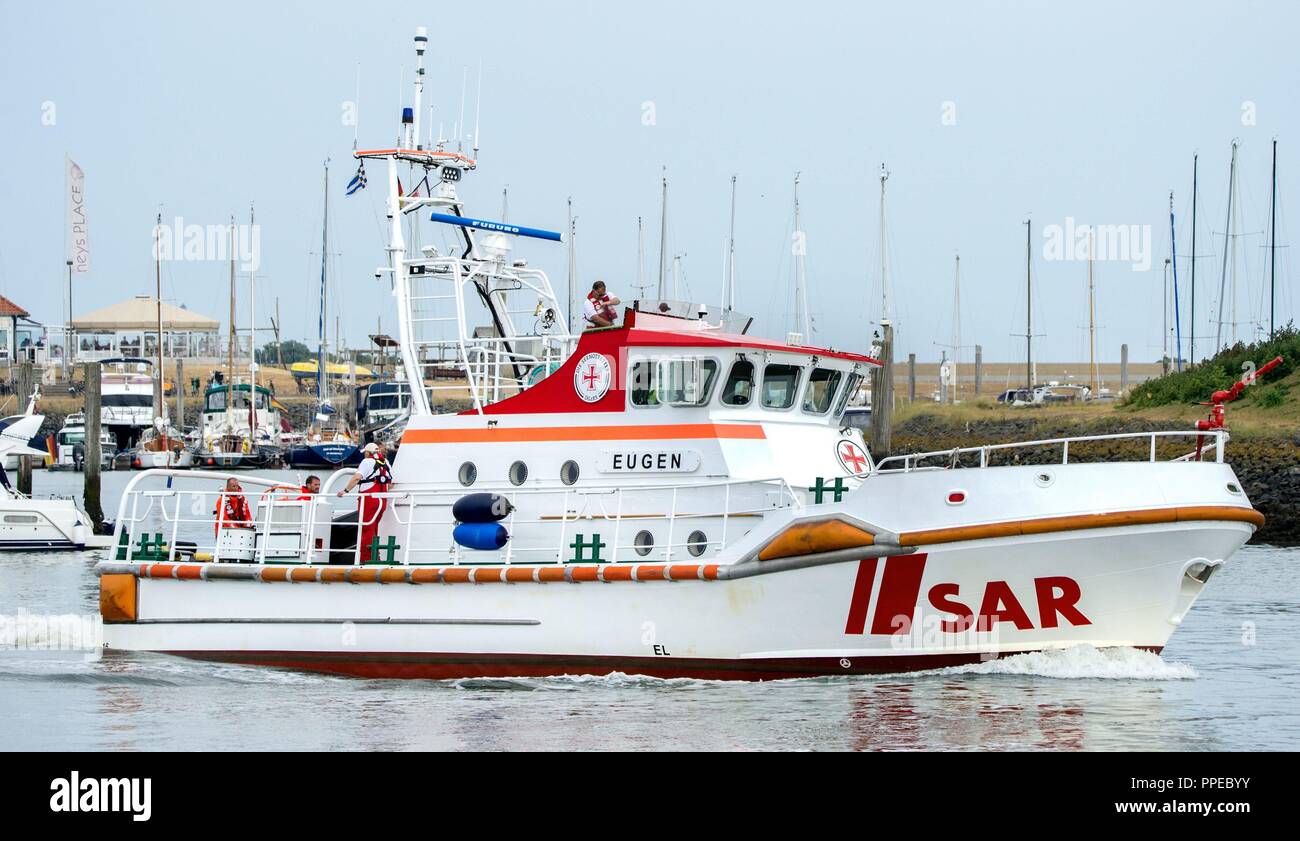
390, 547
579, 547
150, 548
820, 488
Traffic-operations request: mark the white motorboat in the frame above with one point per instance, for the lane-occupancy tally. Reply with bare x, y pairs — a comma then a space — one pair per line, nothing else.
36, 523
70, 445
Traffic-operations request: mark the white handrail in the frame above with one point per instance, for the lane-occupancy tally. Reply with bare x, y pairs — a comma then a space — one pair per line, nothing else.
910, 461
415, 510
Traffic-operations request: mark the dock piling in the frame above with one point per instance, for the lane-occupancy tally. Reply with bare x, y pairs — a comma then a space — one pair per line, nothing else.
94, 453
23, 392
882, 396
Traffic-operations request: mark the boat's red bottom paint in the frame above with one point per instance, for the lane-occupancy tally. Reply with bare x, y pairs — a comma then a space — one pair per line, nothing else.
455, 666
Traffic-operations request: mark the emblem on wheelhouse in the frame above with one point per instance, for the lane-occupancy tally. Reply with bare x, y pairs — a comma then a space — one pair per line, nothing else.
663, 466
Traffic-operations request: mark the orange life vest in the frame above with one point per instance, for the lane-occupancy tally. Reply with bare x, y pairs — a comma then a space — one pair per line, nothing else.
232, 512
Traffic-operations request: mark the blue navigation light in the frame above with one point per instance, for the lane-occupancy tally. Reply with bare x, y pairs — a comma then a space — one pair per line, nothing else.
408, 115
500, 227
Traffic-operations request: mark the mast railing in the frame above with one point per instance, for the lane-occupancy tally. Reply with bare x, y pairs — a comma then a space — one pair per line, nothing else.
490, 362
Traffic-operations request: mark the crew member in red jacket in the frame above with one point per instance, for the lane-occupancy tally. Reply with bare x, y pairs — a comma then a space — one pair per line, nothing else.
232, 509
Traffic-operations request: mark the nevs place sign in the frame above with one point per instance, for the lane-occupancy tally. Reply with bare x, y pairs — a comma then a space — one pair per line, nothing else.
649, 461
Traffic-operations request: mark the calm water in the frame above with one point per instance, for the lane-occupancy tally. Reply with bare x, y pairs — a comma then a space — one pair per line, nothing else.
1228, 681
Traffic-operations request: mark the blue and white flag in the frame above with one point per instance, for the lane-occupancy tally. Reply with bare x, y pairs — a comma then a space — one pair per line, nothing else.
358, 181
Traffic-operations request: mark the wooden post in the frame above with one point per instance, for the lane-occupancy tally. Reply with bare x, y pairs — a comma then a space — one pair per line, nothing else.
180, 394
911, 378
1123, 369
94, 454
979, 370
23, 392
882, 396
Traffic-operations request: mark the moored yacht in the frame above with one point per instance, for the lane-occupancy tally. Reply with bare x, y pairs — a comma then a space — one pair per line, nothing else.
238, 429
70, 445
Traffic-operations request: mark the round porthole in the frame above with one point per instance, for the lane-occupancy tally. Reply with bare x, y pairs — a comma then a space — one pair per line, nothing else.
1044, 478
569, 472
518, 473
697, 543
468, 474
643, 542
1233, 488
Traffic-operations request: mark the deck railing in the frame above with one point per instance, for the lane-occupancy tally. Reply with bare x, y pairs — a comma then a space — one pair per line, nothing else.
1213, 441
173, 522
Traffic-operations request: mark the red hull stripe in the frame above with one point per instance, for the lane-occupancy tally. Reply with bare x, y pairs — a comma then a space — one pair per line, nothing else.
629, 432
899, 589
857, 622
454, 666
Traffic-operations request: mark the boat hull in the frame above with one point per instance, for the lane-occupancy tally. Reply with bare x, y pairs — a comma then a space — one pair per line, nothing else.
41, 524
324, 455
260, 459
1124, 586
151, 459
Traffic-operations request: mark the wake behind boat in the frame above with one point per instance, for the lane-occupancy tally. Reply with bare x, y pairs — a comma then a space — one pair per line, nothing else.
668, 496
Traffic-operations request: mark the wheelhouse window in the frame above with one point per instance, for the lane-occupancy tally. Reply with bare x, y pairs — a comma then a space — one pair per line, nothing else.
687, 381
822, 387
642, 383
850, 389
780, 385
739, 387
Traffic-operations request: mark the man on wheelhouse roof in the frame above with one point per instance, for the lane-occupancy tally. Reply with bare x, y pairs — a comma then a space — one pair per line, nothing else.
599, 308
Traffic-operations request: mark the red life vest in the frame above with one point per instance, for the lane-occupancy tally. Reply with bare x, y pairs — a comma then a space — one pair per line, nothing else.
232, 512
604, 309
381, 477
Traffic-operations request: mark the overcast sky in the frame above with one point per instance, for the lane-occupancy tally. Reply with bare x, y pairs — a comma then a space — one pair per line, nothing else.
985, 113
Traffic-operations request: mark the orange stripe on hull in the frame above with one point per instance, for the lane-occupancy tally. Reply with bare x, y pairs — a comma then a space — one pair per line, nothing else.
630, 432
1077, 522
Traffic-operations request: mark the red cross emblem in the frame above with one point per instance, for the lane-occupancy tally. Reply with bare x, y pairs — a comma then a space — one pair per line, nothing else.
591, 377
852, 457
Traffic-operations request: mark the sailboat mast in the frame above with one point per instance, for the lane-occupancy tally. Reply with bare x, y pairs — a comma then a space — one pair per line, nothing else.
1191, 324
324, 257
252, 336
157, 276
1029, 310
230, 346
802, 322
1227, 239
729, 275
640, 258
956, 331
1092, 320
1272, 248
573, 258
663, 238
884, 276
1173, 262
